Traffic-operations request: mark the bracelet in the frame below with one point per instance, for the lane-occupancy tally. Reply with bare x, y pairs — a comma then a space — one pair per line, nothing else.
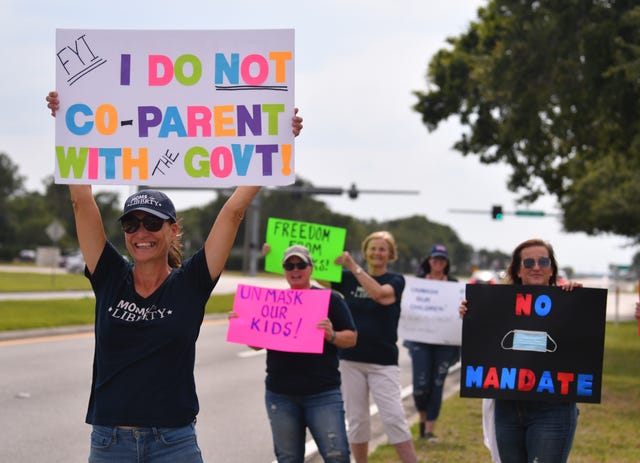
333, 336
358, 271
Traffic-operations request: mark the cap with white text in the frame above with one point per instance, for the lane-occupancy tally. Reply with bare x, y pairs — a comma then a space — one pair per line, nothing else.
153, 202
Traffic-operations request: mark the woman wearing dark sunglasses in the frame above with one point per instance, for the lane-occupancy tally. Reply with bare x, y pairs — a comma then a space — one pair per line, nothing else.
527, 430
302, 389
143, 402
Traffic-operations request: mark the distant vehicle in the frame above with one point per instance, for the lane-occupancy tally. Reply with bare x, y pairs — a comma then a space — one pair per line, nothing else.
27, 255
484, 277
561, 278
74, 263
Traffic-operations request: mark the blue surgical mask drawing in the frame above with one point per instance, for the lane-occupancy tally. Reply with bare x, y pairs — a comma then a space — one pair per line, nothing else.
534, 341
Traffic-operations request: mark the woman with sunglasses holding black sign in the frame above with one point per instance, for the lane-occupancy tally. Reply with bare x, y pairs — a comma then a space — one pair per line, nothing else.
525, 430
143, 402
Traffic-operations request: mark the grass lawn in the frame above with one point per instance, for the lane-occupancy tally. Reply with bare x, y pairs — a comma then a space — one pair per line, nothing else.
23, 282
607, 432
22, 315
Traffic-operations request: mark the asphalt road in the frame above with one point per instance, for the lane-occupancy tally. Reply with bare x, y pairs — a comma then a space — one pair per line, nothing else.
44, 386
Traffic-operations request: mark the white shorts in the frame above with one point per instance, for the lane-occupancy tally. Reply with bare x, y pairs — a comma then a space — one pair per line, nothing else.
383, 382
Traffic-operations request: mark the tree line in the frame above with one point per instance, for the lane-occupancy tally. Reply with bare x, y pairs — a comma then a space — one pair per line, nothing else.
25, 215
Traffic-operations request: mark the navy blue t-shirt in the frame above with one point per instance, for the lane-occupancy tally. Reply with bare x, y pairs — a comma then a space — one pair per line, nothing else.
296, 373
145, 347
377, 324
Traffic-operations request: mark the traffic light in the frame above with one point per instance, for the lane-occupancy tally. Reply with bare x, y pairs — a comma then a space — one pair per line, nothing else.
496, 212
353, 191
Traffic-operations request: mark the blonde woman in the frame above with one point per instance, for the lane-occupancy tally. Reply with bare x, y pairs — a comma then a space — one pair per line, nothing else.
373, 295
527, 430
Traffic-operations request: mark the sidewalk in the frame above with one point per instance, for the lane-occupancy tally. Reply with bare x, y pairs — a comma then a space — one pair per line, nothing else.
451, 387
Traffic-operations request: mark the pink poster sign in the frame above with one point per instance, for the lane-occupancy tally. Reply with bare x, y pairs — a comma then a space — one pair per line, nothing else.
279, 319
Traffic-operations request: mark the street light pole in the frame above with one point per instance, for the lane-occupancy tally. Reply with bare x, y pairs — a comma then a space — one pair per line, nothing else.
254, 248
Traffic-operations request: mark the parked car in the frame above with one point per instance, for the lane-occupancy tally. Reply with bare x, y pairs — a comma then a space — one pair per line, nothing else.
27, 255
484, 277
561, 278
74, 263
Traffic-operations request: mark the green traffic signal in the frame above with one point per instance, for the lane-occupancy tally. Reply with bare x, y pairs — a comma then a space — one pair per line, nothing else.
496, 212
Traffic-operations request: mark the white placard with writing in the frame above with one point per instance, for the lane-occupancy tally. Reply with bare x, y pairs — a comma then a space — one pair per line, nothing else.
429, 311
187, 108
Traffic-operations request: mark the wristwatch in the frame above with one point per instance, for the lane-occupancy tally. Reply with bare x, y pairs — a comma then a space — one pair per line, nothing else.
333, 336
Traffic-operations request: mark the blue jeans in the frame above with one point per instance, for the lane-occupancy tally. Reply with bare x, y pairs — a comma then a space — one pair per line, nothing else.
430, 364
144, 445
528, 431
322, 413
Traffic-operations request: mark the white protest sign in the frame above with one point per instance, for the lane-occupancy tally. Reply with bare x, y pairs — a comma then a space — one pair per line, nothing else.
429, 311
188, 108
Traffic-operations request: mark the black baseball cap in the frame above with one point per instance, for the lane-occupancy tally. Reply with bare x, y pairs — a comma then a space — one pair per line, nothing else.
153, 202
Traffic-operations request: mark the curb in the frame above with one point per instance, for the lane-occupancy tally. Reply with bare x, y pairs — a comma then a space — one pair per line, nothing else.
451, 387
12, 335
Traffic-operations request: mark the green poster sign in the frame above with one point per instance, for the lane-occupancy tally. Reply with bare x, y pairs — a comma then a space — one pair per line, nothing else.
325, 243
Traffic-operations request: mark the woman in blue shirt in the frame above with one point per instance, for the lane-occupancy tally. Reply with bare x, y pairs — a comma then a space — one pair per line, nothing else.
372, 365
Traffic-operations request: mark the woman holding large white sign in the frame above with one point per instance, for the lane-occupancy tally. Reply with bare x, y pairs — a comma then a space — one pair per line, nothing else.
143, 402
430, 362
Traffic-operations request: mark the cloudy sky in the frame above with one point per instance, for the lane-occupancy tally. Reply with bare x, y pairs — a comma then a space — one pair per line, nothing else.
357, 63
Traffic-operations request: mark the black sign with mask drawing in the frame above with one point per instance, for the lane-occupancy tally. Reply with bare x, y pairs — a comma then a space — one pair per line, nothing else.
533, 343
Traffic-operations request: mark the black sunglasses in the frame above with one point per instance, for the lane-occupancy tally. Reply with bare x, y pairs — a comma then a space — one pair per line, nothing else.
131, 223
299, 265
543, 262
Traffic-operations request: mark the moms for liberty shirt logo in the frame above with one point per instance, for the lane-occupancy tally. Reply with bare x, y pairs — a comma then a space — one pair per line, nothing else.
131, 312
360, 293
